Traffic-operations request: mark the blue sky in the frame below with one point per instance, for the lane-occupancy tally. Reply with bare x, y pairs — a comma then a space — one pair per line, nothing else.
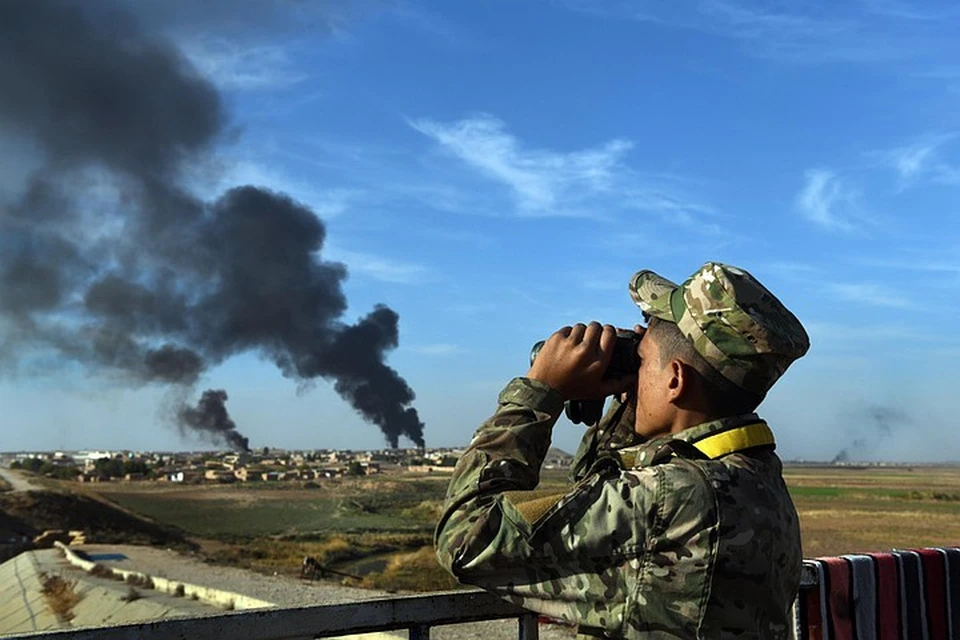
494, 170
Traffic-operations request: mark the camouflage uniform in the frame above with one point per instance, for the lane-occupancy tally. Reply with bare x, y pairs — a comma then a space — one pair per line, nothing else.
689, 535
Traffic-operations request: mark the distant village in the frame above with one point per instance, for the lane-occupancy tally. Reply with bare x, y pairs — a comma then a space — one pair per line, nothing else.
264, 465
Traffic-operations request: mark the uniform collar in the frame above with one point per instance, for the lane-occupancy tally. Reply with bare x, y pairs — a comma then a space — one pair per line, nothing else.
706, 429
713, 439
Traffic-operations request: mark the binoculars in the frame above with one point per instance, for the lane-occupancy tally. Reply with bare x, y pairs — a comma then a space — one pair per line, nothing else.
624, 361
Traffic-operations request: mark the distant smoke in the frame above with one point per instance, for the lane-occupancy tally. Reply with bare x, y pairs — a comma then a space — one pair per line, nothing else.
210, 416
108, 259
879, 424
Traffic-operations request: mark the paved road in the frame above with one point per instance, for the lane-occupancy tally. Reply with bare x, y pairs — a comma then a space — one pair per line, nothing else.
17, 480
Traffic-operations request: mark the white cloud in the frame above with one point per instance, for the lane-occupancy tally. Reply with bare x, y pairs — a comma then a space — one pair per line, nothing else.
377, 267
439, 349
542, 179
872, 294
212, 180
826, 200
593, 182
921, 160
910, 161
870, 31
232, 66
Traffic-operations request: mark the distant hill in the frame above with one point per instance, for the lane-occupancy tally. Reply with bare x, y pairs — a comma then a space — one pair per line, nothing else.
30, 513
554, 452
557, 458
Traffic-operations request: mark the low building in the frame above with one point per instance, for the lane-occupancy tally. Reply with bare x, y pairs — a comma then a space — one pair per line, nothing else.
219, 475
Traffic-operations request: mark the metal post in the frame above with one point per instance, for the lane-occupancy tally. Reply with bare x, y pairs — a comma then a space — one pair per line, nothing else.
528, 627
420, 632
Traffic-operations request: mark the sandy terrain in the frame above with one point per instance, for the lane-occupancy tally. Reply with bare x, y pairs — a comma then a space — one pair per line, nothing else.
18, 481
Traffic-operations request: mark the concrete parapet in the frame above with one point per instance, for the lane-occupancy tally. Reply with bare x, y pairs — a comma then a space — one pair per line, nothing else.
207, 595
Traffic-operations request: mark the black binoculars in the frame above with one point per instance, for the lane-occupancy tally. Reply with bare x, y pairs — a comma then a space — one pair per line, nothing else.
624, 361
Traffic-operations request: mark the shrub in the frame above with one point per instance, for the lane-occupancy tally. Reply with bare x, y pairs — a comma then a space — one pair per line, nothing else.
61, 596
102, 571
131, 595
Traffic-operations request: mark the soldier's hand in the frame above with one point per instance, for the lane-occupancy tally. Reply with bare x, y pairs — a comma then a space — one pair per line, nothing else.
573, 361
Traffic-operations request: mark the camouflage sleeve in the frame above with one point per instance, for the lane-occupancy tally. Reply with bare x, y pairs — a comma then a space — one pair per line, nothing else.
571, 555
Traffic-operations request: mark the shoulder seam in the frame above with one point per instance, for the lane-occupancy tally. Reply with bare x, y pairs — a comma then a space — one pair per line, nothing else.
708, 582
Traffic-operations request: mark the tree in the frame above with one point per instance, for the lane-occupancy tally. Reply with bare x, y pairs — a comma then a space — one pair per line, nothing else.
109, 467
355, 469
136, 466
33, 465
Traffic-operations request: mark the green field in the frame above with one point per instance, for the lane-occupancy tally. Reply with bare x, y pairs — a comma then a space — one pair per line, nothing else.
849, 509
381, 526
231, 511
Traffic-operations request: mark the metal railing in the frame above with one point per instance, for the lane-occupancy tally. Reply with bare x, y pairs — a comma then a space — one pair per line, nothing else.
416, 614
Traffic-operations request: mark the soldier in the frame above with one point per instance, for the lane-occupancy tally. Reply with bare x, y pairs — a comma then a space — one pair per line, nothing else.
679, 524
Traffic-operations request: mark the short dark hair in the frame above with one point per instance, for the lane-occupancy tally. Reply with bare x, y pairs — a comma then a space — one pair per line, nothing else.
723, 397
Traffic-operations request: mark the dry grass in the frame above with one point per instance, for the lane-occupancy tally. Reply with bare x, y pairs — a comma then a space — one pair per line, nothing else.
103, 571
136, 580
61, 596
285, 556
132, 595
847, 510
416, 571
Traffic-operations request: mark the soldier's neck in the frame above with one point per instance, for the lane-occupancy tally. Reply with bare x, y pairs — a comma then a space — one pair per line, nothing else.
686, 418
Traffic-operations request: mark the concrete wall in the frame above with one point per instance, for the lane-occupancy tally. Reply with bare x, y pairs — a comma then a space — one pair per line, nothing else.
207, 595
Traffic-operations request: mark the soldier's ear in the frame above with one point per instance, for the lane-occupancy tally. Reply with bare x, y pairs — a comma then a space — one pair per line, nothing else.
678, 380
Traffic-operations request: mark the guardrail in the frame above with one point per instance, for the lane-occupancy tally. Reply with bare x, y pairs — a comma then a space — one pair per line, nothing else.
417, 614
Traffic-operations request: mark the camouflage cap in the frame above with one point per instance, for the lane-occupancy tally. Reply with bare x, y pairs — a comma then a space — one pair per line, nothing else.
734, 322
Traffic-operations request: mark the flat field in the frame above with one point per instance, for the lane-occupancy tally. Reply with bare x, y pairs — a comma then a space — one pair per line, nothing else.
394, 504
850, 509
380, 527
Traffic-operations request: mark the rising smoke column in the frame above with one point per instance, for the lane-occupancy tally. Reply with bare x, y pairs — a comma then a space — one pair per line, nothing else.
107, 258
874, 424
210, 416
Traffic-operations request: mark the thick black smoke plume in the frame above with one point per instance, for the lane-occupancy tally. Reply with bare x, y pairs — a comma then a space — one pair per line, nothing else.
210, 416
109, 260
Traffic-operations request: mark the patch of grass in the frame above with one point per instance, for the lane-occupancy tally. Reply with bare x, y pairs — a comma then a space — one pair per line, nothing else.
231, 513
98, 519
4, 485
334, 551
845, 510
60, 595
415, 571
